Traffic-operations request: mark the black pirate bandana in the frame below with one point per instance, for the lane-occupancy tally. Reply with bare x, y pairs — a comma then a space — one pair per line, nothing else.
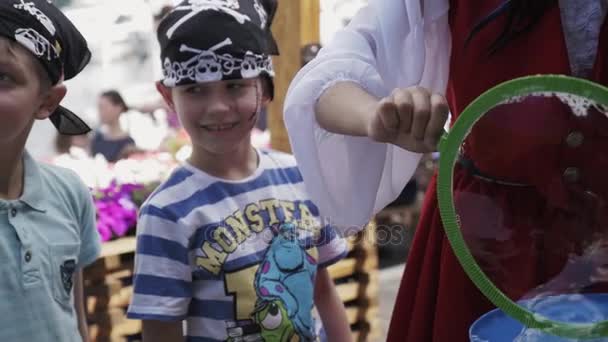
214, 40
42, 29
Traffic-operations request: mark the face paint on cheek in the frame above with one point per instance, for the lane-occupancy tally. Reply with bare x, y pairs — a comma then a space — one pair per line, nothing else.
254, 115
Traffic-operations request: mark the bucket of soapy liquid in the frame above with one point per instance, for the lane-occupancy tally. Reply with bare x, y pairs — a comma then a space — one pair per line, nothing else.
496, 326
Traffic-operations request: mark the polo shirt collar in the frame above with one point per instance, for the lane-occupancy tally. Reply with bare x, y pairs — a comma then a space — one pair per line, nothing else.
33, 190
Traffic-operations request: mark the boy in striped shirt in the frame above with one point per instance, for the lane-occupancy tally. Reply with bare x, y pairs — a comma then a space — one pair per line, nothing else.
230, 243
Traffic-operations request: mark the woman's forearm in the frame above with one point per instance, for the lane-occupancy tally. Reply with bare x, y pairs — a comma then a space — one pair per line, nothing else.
345, 108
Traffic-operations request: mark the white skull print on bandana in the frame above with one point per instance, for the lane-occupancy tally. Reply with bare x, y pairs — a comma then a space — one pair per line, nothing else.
208, 66
36, 43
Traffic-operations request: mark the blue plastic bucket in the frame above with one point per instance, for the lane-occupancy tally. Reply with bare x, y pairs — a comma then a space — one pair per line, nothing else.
496, 326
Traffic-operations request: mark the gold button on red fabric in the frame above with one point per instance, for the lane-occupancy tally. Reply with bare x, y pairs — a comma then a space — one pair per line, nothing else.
575, 139
572, 175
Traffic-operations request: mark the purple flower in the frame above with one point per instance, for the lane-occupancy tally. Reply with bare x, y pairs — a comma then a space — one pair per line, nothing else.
116, 210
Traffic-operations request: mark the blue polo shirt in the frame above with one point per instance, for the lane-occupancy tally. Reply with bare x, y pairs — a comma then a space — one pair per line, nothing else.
45, 236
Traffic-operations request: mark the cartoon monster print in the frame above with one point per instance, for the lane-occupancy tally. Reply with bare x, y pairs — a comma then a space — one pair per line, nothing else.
273, 320
286, 275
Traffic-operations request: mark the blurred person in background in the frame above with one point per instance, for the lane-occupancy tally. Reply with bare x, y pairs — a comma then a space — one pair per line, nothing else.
110, 140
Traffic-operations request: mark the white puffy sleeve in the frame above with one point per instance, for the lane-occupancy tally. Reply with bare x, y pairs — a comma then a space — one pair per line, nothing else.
389, 44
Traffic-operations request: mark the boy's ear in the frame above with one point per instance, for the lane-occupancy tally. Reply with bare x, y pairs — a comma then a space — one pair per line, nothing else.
166, 93
266, 99
267, 90
52, 99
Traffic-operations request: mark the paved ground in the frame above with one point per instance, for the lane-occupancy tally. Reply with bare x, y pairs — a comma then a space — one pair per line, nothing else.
389, 283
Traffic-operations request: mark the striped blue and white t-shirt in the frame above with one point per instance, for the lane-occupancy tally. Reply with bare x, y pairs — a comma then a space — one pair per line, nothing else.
235, 259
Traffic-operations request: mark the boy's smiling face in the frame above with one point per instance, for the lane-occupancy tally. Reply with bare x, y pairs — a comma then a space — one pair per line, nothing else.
24, 92
218, 116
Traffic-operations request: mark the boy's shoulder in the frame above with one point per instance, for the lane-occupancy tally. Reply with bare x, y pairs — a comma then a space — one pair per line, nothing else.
178, 182
56, 187
61, 180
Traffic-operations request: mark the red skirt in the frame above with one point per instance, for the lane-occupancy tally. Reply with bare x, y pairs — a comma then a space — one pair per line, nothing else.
520, 240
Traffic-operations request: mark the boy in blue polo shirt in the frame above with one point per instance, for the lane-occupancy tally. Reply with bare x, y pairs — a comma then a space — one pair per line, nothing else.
47, 219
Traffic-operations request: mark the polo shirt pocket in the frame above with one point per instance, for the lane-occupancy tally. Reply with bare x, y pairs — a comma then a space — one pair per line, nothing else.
64, 261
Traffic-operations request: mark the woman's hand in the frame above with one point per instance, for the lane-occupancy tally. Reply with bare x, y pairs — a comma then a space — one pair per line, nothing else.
411, 118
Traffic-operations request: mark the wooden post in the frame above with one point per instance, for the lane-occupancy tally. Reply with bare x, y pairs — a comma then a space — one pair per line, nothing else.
295, 25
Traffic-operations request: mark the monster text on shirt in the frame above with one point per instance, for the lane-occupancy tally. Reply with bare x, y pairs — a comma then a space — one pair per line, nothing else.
254, 218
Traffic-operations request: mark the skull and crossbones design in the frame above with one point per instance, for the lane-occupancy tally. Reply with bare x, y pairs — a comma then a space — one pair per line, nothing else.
36, 43
261, 12
208, 66
205, 66
229, 7
252, 64
30, 7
